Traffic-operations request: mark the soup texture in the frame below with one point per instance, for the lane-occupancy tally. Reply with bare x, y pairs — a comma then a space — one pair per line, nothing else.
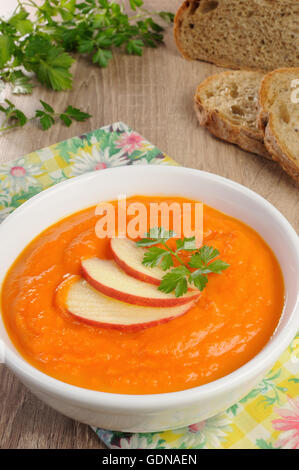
230, 323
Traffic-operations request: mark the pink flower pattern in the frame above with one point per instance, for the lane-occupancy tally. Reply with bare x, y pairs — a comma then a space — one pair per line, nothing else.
18, 171
129, 141
288, 425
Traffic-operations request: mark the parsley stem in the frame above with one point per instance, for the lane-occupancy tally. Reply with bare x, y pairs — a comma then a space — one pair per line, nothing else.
12, 126
3, 129
5, 121
29, 3
175, 255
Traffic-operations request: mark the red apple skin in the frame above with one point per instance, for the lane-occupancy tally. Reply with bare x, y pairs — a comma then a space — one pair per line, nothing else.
128, 328
137, 274
133, 272
134, 299
60, 302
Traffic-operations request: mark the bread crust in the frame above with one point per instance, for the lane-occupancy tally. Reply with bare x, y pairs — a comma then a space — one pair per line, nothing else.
279, 156
177, 25
221, 127
277, 149
262, 117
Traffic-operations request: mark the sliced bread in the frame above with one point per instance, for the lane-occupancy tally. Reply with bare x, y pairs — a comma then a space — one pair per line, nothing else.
240, 34
278, 117
226, 104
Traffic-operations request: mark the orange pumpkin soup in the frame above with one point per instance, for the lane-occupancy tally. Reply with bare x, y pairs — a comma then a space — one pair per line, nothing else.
230, 323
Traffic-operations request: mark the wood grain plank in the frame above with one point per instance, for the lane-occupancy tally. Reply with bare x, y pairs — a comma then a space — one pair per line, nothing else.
154, 95
26, 422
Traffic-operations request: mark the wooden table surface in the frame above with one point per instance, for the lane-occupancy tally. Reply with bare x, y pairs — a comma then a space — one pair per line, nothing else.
153, 95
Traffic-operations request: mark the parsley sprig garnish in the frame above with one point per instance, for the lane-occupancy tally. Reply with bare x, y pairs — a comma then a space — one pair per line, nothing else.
94, 28
46, 116
201, 262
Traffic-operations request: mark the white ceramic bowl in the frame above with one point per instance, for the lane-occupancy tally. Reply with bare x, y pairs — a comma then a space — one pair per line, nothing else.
146, 413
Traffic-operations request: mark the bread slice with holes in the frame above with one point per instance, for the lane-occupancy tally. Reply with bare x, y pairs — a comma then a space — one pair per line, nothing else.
278, 117
239, 34
226, 104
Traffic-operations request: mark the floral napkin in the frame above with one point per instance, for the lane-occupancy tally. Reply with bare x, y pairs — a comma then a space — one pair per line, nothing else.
266, 418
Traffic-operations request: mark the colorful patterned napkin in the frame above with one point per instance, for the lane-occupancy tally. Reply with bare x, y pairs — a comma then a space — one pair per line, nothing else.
268, 417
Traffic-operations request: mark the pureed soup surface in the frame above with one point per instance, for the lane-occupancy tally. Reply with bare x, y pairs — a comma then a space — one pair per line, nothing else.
233, 319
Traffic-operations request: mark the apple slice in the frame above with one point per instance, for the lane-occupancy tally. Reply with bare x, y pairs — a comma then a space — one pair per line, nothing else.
90, 306
129, 257
108, 278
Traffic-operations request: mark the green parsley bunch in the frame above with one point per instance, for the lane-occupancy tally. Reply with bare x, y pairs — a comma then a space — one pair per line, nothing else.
46, 116
60, 27
187, 274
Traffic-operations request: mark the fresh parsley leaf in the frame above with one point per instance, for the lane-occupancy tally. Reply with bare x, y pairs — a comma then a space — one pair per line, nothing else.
203, 256
103, 40
178, 278
161, 234
67, 9
46, 116
47, 107
157, 256
135, 46
148, 40
102, 57
65, 119
217, 266
166, 16
21, 83
46, 120
153, 256
14, 116
187, 244
147, 242
37, 46
76, 114
54, 71
175, 280
86, 46
6, 49
155, 236
19, 117
166, 262
181, 287
50, 63
196, 261
21, 23
10, 107
135, 3
100, 20
202, 261
154, 26
103, 3
199, 280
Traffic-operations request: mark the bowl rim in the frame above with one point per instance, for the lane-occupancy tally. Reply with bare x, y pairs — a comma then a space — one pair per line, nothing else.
161, 401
